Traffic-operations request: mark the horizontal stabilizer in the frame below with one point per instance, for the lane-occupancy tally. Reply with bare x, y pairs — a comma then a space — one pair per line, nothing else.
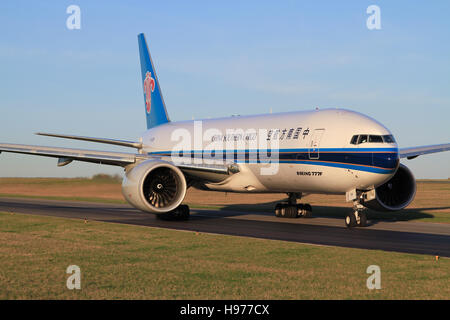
123, 143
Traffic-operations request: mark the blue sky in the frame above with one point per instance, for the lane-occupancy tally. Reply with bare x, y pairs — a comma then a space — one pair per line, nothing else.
217, 59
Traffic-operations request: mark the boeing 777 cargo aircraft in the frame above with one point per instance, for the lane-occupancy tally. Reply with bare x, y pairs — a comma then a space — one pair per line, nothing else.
331, 151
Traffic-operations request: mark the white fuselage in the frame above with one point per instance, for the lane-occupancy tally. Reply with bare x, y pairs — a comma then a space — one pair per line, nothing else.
309, 151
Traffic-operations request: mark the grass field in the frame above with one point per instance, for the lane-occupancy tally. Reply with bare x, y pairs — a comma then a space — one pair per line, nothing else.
432, 202
132, 262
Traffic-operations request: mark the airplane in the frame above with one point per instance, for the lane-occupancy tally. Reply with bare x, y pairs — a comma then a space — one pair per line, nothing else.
321, 151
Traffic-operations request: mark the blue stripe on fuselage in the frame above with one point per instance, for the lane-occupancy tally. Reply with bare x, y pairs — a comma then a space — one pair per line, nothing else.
378, 160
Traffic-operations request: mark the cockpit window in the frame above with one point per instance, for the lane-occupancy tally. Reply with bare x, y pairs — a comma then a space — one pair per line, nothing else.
376, 139
363, 138
389, 138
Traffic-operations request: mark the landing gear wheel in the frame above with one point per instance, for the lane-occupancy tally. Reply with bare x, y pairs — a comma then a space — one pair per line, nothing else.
285, 210
357, 218
304, 210
308, 211
291, 212
278, 210
362, 220
350, 220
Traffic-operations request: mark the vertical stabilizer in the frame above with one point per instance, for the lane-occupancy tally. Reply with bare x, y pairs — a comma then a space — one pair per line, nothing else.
155, 109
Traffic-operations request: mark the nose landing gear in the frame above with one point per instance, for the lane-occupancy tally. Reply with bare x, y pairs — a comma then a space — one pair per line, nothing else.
357, 218
291, 209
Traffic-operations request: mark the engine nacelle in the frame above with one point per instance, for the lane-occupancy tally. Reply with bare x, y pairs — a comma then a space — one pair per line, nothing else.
395, 194
154, 186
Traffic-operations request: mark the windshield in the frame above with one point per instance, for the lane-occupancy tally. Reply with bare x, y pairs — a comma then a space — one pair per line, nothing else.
363, 138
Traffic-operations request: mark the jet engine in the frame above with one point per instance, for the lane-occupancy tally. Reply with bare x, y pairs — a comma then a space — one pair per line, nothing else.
395, 194
154, 186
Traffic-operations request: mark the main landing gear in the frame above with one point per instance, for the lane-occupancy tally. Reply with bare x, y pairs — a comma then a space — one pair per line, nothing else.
181, 213
357, 218
291, 209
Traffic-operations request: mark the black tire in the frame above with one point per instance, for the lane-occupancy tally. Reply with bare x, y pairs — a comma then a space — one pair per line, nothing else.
283, 211
291, 212
350, 220
308, 211
362, 220
300, 210
278, 210
307, 214
304, 210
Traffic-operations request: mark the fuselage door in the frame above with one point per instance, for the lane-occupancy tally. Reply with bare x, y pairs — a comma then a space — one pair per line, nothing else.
315, 143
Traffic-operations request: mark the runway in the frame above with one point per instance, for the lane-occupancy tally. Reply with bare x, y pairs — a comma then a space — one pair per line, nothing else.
408, 237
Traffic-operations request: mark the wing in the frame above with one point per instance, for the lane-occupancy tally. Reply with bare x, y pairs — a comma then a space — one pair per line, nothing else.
66, 156
414, 152
122, 143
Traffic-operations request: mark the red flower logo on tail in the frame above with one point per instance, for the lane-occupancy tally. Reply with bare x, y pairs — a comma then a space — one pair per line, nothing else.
149, 87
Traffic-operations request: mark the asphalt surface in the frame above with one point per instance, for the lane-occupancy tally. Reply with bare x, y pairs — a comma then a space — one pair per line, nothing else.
408, 237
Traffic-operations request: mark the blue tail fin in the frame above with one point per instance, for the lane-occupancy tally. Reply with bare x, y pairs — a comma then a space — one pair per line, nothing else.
155, 109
